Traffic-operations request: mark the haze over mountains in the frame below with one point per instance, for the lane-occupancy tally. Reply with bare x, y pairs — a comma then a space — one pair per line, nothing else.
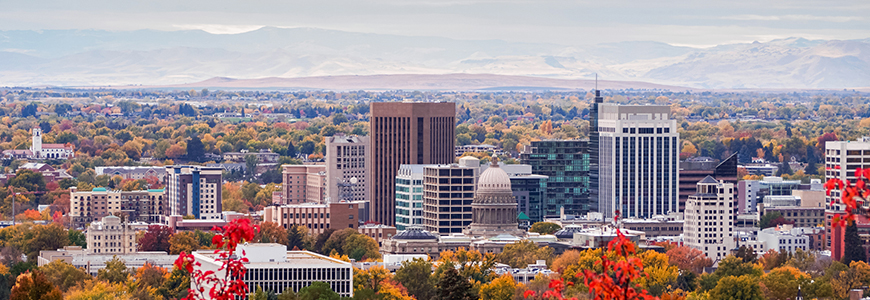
148, 57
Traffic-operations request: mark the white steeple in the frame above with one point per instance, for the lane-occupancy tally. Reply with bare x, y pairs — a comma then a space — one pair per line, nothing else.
36, 146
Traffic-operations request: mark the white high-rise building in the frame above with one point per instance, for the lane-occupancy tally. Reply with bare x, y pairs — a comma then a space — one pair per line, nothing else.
638, 163
709, 218
842, 158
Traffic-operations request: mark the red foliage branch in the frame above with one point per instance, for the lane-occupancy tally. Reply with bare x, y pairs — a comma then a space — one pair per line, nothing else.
853, 195
616, 280
231, 285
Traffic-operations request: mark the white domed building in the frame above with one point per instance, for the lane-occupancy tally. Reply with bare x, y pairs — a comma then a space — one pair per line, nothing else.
494, 210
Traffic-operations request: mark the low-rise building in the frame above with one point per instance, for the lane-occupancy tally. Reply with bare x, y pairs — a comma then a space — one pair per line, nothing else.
93, 262
784, 238
316, 216
148, 206
111, 236
801, 216
483, 148
133, 172
264, 156
378, 232
274, 269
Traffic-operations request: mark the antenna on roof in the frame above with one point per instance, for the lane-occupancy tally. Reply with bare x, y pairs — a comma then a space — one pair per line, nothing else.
596, 81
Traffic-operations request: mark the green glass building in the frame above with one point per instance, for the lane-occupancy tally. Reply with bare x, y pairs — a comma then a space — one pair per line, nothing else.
566, 163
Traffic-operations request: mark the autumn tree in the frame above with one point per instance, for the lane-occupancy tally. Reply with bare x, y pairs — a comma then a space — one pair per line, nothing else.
689, 259
183, 242
96, 289
47, 237
156, 238
502, 288
63, 275
317, 291
743, 287
523, 253
34, 285
271, 232
452, 286
114, 272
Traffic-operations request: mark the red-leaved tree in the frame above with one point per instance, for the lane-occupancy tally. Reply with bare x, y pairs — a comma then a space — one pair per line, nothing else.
616, 280
228, 284
852, 194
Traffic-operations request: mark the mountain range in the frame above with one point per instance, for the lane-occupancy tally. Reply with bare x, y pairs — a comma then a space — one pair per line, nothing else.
157, 58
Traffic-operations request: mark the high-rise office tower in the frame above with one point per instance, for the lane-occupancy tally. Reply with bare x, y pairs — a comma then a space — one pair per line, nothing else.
195, 191
638, 159
346, 172
448, 193
566, 162
405, 133
696, 169
709, 218
594, 140
842, 159
409, 196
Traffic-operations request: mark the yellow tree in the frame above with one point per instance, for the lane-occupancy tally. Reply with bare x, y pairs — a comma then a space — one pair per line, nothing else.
502, 288
857, 275
660, 273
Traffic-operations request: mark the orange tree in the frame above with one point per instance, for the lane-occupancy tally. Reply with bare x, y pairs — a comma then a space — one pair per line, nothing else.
230, 285
618, 278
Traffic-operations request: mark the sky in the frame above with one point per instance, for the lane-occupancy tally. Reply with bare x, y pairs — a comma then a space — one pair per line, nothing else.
689, 23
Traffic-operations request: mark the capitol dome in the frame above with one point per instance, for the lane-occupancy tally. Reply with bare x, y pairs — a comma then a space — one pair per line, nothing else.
494, 180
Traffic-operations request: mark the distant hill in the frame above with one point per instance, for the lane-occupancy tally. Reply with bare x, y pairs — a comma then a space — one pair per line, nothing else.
148, 57
451, 82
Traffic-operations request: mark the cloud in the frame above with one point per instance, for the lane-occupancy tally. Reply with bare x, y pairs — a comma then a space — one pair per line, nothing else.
836, 19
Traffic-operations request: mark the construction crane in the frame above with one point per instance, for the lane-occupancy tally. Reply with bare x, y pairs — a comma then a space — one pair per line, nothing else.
14, 193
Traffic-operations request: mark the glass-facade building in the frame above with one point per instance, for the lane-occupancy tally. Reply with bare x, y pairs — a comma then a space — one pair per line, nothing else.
529, 191
566, 164
409, 196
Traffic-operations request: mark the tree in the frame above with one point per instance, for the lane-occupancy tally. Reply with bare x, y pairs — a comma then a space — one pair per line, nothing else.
782, 283
28, 180
452, 286
114, 272
176, 284
195, 149
660, 273
287, 294
317, 291
545, 227
746, 254
33, 285
150, 276
523, 253
853, 251
502, 288
773, 259
737, 288
271, 232
416, 276
733, 266
77, 238
156, 238
360, 247
63, 275
95, 289
784, 169
296, 237
259, 294
47, 237
186, 242
336, 241
845, 278
251, 163
772, 219
689, 259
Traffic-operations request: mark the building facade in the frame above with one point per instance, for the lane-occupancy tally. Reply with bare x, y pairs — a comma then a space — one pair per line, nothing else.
111, 236
784, 238
494, 209
304, 184
405, 133
638, 161
274, 269
709, 219
316, 216
195, 191
484, 148
842, 159
49, 151
347, 174
150, 206
409, 196
696, 169
566, 163
448, 191
135, 173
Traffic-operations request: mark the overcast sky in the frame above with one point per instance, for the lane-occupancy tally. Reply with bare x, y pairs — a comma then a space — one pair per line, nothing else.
693, 23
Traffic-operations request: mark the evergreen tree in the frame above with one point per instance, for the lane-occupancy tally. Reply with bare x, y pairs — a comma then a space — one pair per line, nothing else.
783, 169
452, 286
852, 245
295, 238
195, 149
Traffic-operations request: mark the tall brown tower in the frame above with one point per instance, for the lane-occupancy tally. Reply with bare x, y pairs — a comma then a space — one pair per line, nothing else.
405, 133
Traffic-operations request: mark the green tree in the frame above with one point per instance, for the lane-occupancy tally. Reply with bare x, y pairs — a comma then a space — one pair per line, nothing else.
746, 254
64, 275
852, 245
336, 241
287, 294
733, 266
452, 286
359, 247
28, 180
186, 242
251, 167
767, 219
416, 276
545, 227
295, 237
317, 291
744, 287
176, 285
259, 294
114, 272
47, 237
